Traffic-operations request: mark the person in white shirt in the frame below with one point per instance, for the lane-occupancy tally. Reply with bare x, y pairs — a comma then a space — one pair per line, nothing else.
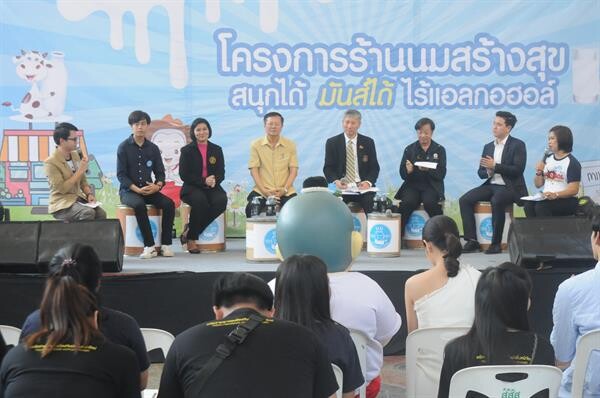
501, 166
319, 224
559, 175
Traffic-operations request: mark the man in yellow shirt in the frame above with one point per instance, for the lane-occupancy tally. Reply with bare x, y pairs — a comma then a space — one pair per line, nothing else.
273, 164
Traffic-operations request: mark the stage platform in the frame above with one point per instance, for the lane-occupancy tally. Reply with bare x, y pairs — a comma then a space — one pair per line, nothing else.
176, 293
234, 259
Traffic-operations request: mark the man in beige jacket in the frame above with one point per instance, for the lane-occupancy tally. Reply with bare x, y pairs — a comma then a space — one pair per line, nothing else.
70, 194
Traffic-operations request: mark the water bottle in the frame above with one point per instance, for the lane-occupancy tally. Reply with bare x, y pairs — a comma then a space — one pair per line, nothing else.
255, 207
270, 206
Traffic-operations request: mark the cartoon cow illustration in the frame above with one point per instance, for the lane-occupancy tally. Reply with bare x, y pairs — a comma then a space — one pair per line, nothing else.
47, 94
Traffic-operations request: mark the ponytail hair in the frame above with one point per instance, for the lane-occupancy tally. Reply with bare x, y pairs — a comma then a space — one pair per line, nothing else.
65, 312
442, 232
80, 262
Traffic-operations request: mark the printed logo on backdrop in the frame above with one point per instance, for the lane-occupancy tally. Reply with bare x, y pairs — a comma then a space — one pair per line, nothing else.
210, 232
486, 229
270, 241
386, 67
380, 236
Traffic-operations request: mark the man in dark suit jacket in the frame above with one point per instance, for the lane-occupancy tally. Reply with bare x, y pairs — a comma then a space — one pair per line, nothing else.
338, 168
502, 164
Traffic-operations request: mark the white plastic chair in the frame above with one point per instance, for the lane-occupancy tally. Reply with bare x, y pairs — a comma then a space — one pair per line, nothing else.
587, 343
484, 380
424, 357
339, 377
157, 338
360, 341
11, 334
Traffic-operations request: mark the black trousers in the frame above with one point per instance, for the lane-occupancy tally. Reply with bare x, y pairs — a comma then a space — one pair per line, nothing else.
499, 197
412, 197
138, 203
206, 205
549, 208
253, 194
365, 200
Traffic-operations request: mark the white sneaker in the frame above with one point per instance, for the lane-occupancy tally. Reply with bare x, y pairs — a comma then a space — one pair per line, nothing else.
148, 252
166, 251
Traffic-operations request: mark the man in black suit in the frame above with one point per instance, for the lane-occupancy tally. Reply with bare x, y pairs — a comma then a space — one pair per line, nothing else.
502, 164
359, 169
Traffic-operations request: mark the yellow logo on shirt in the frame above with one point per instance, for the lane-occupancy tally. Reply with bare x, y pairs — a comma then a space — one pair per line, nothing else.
212, 160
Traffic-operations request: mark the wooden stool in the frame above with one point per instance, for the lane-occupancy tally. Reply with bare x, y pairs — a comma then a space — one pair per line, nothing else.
261, 239
413, 232
384, 235
360, 221
134, 243
212, 239
483, 224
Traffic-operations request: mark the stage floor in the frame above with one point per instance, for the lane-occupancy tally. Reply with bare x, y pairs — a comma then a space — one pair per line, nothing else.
234, 259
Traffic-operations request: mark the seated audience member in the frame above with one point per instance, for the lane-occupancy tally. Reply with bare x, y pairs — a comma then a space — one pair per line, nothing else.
117, 327
302, 296
202, 169
576, 312
442, 295
277, 359
421, 184
500, 334
319, 224
68, 357
559, 174
70, 193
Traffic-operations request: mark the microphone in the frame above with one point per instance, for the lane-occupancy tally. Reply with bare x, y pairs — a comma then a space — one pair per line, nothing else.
80, 153
547, 153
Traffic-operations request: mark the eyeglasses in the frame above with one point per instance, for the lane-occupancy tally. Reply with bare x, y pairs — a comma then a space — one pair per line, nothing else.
74, 139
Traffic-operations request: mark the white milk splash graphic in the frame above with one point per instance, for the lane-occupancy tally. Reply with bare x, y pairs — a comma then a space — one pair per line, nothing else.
115, 9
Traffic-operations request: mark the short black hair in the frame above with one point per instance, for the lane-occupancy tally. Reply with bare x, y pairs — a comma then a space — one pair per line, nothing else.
195, 124
312, 182
63, 130
564, 137
423, 121
241, 287
137, 116
272, 114
508, 117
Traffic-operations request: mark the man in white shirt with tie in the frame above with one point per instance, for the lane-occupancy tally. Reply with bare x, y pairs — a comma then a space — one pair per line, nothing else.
501, 165
351, 161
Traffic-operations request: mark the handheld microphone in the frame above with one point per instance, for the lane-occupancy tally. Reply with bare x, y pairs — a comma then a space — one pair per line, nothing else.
80, 153
547, 153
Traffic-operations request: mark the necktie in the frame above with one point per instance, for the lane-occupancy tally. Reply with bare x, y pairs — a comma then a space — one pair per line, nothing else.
350, 162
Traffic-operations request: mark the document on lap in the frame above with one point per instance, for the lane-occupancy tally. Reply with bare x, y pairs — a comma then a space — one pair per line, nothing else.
92, 205
427, 165
534, 198
356, 191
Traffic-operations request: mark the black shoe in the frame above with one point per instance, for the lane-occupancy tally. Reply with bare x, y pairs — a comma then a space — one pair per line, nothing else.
471, 246
494, 249
183, 237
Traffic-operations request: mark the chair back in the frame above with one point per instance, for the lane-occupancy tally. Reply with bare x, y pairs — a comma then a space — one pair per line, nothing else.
339, 377
587, 343
424, 357
506, 381
11, 334
157, 338
361, 341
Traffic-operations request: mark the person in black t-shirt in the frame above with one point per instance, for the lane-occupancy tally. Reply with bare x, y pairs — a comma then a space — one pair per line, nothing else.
276, 359
117, 327
500, 334
422, 184
68, 357
302, 296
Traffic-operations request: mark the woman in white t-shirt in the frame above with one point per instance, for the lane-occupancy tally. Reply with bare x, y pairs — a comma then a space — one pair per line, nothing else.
559, 174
